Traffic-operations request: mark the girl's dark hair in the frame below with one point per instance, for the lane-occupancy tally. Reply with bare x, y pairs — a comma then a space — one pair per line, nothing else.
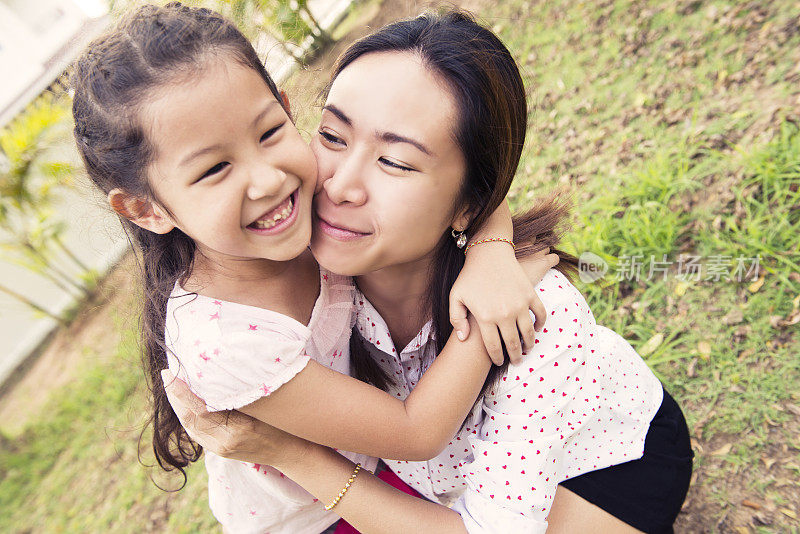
149, 48
490, 131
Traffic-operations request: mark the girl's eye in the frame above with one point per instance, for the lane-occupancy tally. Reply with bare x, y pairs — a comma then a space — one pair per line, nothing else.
214, 170
330, 138
395, 165
269, 133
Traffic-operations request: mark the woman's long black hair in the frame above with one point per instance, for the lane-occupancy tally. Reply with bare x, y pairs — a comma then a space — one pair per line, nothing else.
490, 131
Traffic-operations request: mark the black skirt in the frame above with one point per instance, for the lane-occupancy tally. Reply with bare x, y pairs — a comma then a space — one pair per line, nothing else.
646, 493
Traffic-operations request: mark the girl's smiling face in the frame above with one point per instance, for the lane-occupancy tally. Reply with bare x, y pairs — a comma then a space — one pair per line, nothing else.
389, 168
230, 169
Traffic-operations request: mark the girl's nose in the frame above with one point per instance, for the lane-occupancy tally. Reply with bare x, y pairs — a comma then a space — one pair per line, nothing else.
265, 182
345, 185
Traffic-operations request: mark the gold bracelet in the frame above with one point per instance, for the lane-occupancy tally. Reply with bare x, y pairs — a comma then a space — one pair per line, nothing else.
491, 240
344, 489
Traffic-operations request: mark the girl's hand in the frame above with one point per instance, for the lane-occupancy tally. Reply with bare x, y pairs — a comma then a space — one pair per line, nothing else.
231, 434
498, 291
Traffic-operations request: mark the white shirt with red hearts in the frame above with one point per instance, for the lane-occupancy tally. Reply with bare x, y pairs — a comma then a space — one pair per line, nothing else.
582, 399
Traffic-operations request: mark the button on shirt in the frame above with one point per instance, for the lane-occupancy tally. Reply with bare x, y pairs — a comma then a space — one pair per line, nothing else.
582, 399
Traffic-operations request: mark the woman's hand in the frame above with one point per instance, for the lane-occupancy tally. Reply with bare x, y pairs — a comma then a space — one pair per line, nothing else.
498, 291
231, 434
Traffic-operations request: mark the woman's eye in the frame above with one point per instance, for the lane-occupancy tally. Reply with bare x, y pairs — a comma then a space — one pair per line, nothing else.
330, 137
269, 133
395, 165
215, 169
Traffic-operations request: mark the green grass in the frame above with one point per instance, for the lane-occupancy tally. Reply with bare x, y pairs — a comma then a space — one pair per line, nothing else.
673, 126
76, 469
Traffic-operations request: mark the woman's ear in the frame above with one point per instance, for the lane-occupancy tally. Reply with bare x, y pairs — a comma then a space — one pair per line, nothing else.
140, 211
285, 102
462, 220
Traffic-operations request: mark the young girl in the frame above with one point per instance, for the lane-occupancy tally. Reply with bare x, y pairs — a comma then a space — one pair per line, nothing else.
580, 434
180, 125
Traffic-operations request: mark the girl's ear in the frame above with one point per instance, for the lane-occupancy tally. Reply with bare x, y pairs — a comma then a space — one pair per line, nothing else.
285, 102
140, 211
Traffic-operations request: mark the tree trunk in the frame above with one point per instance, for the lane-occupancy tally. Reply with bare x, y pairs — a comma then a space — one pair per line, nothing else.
54, 274
28, 302
71, 255
326, 38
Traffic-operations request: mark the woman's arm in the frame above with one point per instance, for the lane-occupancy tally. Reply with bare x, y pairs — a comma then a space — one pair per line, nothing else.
370, 504
496, 289
326, 407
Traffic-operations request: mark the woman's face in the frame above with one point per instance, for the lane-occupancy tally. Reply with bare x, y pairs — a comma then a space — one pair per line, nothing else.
390, 171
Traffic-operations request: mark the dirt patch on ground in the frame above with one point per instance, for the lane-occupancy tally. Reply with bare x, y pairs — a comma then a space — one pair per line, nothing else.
734, 505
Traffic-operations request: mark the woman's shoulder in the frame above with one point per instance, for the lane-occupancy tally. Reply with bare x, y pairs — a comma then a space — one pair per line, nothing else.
555, 290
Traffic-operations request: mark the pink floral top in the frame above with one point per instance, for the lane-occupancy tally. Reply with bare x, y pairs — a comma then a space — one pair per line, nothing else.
230, 355
581, 400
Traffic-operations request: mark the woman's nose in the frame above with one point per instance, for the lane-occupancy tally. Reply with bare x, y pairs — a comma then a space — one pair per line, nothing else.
345, 185
265, 182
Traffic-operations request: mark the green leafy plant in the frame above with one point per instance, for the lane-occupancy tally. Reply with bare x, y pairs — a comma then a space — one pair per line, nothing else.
31, 234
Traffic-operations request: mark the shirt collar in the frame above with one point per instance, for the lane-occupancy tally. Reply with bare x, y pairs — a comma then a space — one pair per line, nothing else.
375, 331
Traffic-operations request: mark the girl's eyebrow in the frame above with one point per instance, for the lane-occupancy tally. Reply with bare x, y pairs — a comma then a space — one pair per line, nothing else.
386, 137
211, 148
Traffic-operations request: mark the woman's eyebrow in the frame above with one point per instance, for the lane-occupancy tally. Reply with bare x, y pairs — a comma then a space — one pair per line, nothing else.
386, 137
391, 137
338, 113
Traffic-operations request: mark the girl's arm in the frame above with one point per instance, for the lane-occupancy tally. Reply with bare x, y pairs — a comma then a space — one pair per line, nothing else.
330, 408
496, 289
369, 504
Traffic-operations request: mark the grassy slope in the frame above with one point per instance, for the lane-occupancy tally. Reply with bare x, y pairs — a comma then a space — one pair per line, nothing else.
670, 124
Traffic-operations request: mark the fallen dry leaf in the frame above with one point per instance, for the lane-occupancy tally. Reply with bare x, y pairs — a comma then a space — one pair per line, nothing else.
651, 345
762, 518
755, 286
795, 409
792, 318
690, 368
704, 348
751, 504
788, 513
725, 449
735, 316
746, 353
680, 289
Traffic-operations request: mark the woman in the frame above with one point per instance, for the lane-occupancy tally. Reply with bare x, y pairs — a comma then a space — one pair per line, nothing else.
420, 137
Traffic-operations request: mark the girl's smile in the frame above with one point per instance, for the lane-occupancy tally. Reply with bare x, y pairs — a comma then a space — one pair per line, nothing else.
230, 169
277, 219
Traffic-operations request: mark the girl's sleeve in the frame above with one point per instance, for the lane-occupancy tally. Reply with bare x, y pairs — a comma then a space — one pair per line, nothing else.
519, 453
230, 358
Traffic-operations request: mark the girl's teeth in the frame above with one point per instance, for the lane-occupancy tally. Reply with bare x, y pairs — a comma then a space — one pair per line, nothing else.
269, 223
